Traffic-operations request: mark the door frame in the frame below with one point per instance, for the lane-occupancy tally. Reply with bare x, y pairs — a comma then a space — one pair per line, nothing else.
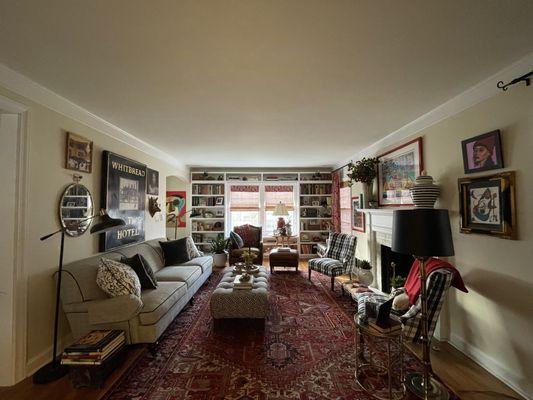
18, 363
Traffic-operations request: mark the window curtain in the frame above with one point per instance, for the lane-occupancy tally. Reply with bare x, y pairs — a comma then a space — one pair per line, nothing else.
335, 200
274, 194
244, 198
346, 208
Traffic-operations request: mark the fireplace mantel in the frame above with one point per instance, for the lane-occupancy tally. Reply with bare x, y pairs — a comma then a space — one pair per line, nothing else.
378, 224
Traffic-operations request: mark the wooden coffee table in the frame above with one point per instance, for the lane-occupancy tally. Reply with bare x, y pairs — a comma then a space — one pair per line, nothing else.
283, 259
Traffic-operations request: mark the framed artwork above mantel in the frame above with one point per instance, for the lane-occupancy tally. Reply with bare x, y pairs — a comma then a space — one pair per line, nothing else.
397, 171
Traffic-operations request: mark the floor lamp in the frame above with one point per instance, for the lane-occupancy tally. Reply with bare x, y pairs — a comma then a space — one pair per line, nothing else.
423, 233
177, 220
54, 370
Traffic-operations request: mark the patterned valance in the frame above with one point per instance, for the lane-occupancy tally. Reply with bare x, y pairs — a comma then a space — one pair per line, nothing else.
245, 188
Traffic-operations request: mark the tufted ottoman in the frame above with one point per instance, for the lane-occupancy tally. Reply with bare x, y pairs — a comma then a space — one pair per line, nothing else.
227, 302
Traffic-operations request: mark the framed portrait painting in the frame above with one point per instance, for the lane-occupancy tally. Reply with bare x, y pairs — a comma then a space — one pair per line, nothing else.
79, 153
152, 182
124, 197
482, 152
488, 205
358, 217
397, 171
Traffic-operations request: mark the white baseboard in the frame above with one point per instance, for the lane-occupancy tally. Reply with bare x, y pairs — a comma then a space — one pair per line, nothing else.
45, 356
493, 366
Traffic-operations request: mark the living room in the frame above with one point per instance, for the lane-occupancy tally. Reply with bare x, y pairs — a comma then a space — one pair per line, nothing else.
188, 120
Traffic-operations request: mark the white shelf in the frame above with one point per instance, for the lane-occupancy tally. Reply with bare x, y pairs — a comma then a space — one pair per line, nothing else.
313, 206
315, 217
208, 206
206, 218
214, 232
320, 230
315, 195
208, 195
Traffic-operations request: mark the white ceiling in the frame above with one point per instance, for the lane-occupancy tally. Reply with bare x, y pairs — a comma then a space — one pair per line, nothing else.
245, 83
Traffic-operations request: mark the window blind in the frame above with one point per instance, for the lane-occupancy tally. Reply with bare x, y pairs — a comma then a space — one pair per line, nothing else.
244, 198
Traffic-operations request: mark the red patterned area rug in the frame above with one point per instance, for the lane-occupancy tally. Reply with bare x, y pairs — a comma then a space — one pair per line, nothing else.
304, 351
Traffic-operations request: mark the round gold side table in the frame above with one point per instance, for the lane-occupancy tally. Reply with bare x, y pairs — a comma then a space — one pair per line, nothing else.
379, 368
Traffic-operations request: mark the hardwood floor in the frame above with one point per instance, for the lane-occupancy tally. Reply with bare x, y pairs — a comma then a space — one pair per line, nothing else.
467, 379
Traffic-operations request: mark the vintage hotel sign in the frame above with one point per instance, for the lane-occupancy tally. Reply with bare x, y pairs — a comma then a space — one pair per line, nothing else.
123, 196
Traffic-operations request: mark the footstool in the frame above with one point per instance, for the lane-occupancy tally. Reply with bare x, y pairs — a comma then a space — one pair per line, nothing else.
227, 302
283, 259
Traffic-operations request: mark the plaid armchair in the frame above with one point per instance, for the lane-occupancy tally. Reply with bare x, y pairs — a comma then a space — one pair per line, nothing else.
253, 240
438, 283
339, 258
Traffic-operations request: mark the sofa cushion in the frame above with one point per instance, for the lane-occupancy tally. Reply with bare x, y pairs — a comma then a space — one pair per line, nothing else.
203, 262
143, 270
117, 279
192, 250
187, 274
175, 251
157, 302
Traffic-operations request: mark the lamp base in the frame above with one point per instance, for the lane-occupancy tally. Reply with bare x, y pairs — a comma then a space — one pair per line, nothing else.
49, 373
415, 384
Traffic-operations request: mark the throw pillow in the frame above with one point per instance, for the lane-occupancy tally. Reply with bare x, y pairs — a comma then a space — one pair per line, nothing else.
192, 250
175, 251
117, 279
236, 240
143, 270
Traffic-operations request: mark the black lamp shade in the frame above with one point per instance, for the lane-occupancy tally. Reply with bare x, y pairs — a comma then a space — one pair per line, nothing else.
422, 233
106, 223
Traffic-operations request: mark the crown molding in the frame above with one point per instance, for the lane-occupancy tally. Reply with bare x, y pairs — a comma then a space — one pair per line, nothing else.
33, 91
470, 97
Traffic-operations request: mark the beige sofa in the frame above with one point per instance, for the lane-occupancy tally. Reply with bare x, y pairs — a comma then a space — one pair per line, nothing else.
143, 319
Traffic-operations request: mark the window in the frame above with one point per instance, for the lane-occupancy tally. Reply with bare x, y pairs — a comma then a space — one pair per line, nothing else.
346, 209
244, 201
274, 194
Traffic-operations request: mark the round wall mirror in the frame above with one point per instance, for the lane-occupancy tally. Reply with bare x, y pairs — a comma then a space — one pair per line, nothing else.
75, 206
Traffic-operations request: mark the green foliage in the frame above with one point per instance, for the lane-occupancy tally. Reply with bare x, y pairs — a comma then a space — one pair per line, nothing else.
219, 245
363, 264
397, 281
363, 170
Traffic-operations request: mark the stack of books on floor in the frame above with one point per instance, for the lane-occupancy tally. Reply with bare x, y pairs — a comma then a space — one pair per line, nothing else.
94, 348
389, 327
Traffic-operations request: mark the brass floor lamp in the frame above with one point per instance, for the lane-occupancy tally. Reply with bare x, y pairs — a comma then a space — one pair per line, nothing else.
423, 233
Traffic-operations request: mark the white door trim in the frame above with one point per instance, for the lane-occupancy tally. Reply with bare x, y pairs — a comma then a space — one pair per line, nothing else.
20, 279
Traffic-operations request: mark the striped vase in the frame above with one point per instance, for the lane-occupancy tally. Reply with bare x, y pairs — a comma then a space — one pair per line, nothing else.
424, 193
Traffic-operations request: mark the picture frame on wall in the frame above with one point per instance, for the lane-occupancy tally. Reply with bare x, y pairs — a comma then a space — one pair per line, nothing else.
78, 153
152, 182
358, 217
124, 197
488, 205
482, 152
397, 171
176, 204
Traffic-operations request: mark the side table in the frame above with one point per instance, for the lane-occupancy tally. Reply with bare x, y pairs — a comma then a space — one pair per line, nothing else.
379, 368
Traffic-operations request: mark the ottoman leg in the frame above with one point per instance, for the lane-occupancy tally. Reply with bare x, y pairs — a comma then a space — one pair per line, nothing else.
332, 283
309, 273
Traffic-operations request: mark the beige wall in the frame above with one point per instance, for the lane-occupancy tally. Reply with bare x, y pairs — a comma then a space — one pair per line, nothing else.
175, 183
494, 322
47, 179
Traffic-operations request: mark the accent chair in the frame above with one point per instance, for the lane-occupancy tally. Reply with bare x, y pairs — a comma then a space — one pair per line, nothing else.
252, 238
339, 258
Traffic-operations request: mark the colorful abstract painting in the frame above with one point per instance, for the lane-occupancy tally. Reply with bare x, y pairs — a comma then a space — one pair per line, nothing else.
176, 208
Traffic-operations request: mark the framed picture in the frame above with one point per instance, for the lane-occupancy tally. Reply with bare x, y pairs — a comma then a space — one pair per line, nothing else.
79, 153
176, 208
152, 182
488, 205
482, 152
358, 217
397, 171
123, 196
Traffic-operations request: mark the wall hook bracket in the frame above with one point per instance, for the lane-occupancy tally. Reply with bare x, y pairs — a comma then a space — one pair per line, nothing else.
524, 78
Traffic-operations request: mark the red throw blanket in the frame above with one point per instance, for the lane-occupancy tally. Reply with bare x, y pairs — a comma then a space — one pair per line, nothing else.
412, 284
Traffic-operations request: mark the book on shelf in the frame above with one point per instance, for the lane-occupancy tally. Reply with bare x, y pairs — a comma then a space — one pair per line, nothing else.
207, 189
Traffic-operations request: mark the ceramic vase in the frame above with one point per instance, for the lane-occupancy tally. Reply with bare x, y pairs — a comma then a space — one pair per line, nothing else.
365, 277
219, 260
424, 193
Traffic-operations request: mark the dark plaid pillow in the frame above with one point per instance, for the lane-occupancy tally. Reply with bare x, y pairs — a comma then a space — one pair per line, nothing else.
175, 251
143, 270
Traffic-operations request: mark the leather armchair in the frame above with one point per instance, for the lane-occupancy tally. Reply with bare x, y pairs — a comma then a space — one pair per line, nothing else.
253, 240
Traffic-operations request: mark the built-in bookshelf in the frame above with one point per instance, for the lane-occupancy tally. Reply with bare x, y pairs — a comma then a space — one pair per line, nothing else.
208, 203
315, 212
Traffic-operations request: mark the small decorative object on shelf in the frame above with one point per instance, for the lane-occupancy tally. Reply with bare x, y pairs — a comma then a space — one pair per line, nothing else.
364, 274
424, 193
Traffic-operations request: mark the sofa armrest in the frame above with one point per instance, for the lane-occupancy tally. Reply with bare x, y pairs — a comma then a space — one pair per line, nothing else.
114, 309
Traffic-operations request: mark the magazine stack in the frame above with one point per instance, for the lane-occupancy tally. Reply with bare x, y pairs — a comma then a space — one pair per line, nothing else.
94, 348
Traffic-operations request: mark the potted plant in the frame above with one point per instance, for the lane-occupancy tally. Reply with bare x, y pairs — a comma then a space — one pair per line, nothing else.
364, 171
248, 258
218, 248
397, 281
364, 274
